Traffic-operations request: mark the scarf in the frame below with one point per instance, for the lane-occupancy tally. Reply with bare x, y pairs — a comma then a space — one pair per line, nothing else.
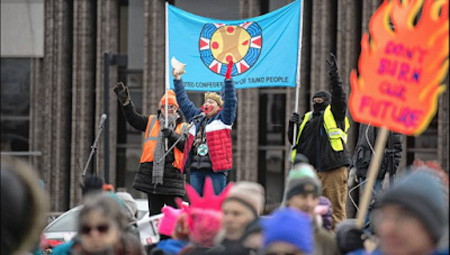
158, 156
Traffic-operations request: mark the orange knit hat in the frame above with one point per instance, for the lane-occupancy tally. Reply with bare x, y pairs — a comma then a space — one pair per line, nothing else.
172, 99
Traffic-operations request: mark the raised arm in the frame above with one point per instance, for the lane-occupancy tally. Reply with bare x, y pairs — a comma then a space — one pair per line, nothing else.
338, 96
186, 106
135, 119
230, 103
228, 114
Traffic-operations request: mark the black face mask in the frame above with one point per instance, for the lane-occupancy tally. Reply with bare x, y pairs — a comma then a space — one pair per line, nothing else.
318, 107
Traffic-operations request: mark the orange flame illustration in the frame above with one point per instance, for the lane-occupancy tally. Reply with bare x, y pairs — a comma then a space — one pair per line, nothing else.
401, 69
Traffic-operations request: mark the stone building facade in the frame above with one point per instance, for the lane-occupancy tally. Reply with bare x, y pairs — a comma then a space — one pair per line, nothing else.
67, 92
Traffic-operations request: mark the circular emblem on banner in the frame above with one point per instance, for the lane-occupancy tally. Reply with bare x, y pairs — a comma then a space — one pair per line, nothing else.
220, 43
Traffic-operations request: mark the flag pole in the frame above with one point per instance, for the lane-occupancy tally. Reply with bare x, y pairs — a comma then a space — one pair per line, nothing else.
299, 63
166, 124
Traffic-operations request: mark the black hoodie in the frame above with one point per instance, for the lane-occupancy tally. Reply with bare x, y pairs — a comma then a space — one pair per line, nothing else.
314, 142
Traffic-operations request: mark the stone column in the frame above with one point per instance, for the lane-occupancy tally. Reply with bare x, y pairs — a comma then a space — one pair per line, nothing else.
154, 55
83, 80
347, 52
50, 103
247, 117
107, 42
323, 41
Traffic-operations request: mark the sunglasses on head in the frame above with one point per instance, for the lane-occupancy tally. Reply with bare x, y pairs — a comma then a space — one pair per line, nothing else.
103, 228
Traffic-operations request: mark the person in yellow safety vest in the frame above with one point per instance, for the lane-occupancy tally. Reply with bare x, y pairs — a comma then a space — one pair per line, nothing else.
159, 172
322, 136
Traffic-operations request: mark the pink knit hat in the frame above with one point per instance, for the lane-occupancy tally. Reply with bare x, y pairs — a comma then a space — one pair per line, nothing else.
204, 215
167, 224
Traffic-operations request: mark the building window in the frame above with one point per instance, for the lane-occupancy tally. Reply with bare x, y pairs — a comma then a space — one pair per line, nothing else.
15, 105
271, 149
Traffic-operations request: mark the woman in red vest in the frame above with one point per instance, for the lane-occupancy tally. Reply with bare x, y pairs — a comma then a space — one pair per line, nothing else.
159, 172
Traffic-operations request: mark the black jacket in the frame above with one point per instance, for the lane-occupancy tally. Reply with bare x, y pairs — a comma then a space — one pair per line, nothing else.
314, 142
173, 180
363, 151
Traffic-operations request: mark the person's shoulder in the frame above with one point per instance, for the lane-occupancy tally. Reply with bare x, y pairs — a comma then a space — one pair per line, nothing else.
323, 233
363, 252
63, 249
442, 252
132, 245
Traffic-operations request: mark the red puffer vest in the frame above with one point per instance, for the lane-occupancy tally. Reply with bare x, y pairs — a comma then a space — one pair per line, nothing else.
218, 137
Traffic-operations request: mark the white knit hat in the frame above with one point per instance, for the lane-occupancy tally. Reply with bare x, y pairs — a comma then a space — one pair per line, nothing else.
249, 193
130, 204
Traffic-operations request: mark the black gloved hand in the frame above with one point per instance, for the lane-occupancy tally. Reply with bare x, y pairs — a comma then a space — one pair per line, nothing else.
332, 65
167, 132
122, 93
295, 118
349, 237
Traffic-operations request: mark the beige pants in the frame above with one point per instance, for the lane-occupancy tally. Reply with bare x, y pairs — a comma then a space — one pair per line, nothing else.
334, 187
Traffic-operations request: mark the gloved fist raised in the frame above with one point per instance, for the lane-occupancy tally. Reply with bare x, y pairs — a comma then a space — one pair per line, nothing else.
122, 93
167, 132
229, 70
349, 237
295, 118
332, 64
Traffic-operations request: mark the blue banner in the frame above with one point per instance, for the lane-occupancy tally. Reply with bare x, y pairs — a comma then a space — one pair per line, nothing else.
264, 49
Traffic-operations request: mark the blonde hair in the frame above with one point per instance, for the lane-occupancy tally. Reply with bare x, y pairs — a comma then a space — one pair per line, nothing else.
214, 96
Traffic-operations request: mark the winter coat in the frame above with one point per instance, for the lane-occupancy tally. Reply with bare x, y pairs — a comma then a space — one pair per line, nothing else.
173, 180
378, 252
190, 249
168, 247
230, 247
314, 142
324, 241
363, 151
128, 244
218, 127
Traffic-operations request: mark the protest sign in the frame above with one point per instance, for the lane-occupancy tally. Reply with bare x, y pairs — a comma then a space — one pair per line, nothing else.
402, 66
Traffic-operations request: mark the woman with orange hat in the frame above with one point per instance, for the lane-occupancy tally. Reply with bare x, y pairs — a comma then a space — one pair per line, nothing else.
159, 173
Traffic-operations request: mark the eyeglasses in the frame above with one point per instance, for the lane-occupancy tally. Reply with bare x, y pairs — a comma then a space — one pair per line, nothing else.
171, 107
102, 229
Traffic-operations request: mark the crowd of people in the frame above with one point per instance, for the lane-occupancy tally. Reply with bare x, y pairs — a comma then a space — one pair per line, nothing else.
409, 218
222, 217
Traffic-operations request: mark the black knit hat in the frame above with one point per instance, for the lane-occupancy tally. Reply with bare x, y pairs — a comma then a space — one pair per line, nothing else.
325, 95
420, 194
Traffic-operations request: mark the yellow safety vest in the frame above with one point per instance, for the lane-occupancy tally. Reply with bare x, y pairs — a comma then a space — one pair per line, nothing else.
335, 134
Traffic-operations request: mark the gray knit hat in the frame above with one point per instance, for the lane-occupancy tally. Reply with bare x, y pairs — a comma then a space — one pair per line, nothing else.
302, 179
420, 194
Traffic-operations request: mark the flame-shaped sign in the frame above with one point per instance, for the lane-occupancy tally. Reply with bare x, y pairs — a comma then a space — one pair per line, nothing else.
402, 67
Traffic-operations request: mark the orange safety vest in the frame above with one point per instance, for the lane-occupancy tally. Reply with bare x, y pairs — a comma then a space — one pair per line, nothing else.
151, 137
